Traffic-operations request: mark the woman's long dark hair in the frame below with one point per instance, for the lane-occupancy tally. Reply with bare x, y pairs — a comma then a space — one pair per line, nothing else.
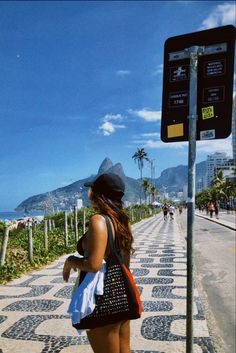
114, 209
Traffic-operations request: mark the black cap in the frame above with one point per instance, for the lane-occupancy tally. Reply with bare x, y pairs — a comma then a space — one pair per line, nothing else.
109, 185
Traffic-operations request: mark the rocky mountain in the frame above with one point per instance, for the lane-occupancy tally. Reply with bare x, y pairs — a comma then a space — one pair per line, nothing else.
66, 197
172, 179
106, 165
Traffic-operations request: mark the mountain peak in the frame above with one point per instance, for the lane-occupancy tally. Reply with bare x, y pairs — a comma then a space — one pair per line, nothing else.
105, 166
117, 169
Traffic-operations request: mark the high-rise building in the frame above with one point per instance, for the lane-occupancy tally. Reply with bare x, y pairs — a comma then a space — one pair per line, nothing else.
79, 203
228, 170
234, 130
213, 161
200, 184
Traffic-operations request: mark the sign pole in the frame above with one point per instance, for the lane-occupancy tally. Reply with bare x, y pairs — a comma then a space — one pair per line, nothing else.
182, 81
193, 53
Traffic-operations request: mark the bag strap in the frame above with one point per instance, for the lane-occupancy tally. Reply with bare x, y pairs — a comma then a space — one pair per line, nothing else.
110, 234
111, 241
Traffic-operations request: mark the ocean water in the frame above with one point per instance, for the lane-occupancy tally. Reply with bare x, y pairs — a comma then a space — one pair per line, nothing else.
13, 215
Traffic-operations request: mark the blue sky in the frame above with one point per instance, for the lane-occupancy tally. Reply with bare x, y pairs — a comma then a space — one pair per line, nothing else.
81, 81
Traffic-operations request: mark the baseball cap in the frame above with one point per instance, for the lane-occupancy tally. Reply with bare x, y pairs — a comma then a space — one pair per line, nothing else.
109, 185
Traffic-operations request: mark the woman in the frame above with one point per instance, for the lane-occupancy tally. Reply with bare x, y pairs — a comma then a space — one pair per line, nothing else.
106, 194
211, 208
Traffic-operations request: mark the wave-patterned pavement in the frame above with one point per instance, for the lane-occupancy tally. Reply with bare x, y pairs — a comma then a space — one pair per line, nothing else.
34, 318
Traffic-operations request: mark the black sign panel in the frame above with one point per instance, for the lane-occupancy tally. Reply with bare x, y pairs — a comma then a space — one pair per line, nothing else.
214, 85
214, 68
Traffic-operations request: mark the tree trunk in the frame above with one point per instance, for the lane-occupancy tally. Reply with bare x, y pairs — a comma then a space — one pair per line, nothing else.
141, 176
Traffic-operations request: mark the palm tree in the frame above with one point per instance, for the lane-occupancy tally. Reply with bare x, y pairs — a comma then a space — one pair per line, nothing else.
140, 156
153, 192
219, 179
145, 186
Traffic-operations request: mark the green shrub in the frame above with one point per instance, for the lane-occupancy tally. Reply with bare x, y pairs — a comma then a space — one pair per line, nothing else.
17, 261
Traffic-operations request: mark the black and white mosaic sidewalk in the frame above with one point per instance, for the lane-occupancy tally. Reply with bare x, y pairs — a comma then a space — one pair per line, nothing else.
34, 318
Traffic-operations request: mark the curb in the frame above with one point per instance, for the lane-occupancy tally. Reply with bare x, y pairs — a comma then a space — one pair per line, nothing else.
216, 221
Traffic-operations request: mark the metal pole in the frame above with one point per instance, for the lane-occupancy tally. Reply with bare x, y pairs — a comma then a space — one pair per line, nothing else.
4, 245
191, 194
46, 234
49, 225
30, 244
65, 229
71, 222
76, 224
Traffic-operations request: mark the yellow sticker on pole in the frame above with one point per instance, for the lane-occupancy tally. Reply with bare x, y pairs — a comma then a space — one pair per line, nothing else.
175, 130
208, 112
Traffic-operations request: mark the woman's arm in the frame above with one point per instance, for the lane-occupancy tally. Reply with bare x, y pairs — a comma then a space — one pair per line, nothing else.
95, 246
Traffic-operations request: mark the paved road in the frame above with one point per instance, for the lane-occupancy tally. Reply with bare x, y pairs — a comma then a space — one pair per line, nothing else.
215, 259
224, 218
33, 315
223, 215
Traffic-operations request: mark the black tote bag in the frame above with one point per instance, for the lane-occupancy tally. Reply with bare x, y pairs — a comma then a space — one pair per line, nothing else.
121, 299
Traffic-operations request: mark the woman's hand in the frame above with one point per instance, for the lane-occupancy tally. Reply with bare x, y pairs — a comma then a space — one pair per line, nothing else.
68, 265
66, 270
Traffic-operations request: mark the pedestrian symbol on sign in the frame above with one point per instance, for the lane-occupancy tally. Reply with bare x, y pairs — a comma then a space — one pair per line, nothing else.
179, 71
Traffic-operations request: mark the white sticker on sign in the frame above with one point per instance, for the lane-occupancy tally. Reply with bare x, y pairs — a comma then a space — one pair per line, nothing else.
207, 135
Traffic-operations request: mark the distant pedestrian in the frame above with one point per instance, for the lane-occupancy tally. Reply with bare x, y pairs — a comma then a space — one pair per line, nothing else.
171, 212
180, 209
165, 209
211, 208
216, 210
228, 207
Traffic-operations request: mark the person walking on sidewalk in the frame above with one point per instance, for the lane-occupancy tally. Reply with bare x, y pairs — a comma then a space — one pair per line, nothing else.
165, 209
171, 212
216, 210
211, 208
106, 194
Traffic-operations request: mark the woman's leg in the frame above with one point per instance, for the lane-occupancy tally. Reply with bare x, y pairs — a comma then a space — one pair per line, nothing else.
105, 339
125, 337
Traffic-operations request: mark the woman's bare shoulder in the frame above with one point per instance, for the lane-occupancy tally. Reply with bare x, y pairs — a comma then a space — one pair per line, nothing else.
97, 221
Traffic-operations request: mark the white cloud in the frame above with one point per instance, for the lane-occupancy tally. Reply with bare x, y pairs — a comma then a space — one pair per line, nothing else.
203, 147
152, 143
123, 72
222, 15
151, 134
160, 144
108, 128
212, 146
109, 117
147, 115
159, 70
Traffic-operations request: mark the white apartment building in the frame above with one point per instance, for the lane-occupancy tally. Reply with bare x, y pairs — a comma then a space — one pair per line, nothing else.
228, 170
79, 204
200, 184
213, 162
